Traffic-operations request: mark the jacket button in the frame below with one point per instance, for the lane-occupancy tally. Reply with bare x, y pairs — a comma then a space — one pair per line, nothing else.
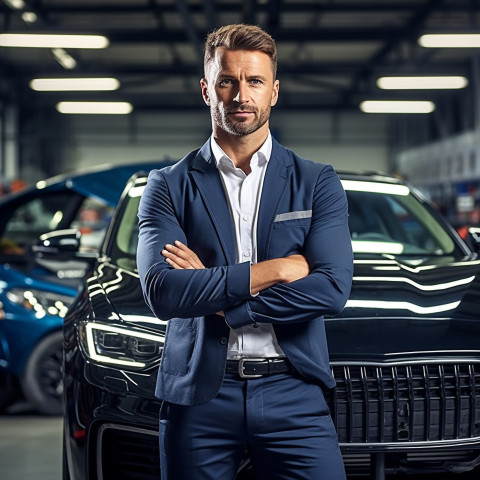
223, 341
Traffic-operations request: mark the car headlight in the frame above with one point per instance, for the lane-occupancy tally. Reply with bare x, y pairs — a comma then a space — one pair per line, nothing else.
41, 301
112, 345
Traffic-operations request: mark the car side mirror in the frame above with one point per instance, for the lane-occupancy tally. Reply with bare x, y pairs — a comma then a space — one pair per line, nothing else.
61, 244
61, 252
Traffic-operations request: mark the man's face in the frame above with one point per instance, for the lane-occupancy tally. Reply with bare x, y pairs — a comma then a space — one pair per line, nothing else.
240, 89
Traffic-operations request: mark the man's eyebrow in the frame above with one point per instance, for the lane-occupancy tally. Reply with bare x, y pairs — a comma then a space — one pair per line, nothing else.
223, 76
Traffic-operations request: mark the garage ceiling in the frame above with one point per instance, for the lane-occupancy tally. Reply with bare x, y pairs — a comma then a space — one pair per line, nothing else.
330, 52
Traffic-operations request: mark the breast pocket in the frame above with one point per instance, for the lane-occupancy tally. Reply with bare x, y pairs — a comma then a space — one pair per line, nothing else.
289, 232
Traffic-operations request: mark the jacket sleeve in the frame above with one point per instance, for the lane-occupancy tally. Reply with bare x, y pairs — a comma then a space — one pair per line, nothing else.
180, 293
329, 253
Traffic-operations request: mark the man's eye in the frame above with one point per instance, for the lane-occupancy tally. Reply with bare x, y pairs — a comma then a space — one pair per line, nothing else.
255, 81
225, 82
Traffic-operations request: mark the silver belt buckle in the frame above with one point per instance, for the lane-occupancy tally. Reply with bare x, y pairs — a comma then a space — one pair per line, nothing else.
241, 367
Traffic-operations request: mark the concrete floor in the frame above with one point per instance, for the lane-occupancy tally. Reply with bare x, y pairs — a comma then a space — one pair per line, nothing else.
31, 448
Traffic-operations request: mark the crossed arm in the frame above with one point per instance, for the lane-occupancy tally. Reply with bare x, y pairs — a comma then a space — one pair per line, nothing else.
262, 275
180, 287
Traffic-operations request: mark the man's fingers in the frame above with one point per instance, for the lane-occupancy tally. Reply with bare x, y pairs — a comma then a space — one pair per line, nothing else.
180, 256
176, 261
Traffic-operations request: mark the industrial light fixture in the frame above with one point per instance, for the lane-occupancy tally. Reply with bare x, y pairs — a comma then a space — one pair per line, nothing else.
41, 40
422, 82
15, 4
450, 40
64, 58
73, 84
102, 108
397, 106
29, 17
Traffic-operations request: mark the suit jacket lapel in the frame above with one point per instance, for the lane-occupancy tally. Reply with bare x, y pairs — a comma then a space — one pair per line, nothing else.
209, 183
278, 171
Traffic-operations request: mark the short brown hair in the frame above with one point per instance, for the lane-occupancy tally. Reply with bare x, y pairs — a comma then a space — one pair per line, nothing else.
241, 37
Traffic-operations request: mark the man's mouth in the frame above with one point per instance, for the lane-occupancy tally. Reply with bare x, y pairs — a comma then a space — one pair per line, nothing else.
241, 113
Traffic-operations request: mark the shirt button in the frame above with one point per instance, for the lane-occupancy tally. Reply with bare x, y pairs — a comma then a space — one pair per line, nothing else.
245, 218
223, 341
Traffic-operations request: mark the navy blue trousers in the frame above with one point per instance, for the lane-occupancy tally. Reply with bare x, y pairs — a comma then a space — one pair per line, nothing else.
281, 421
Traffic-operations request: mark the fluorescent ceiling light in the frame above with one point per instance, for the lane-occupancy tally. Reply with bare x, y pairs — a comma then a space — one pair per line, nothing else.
397, 106
74, 84
106, 108
450, 40
420, 83
64, 58
29, 17
15, 4
41, 40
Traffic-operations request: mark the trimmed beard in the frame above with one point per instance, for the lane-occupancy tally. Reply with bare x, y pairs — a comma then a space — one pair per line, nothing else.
240, 128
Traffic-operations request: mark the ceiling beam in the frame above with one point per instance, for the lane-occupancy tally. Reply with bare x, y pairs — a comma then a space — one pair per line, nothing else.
191, 32
410, 30
304, 68
300, 7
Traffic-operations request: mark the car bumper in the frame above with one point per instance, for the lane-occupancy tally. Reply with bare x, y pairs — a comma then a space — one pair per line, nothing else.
112, 429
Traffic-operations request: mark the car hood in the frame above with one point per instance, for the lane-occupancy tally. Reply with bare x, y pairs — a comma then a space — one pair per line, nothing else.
104, 182
397, 308
116, 295
402, 308
107, 183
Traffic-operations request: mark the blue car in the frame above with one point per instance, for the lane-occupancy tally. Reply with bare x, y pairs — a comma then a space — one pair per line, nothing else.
35, 294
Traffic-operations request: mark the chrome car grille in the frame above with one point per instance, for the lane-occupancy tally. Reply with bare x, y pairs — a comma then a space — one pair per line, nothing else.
376, 408
407, 403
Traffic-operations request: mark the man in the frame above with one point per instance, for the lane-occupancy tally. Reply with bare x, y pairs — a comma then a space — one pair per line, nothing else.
244, 247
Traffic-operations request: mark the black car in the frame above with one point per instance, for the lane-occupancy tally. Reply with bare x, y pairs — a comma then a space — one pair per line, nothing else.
405, 352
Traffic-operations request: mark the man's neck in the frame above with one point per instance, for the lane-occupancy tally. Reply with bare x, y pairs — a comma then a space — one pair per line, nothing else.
241, 148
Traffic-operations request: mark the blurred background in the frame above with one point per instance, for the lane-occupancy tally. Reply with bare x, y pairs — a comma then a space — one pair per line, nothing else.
366, 85
334, 55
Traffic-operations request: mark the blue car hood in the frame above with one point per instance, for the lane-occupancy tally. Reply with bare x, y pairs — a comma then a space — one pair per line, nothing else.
107, 183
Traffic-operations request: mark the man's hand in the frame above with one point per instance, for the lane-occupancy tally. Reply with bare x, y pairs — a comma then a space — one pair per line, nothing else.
179, 256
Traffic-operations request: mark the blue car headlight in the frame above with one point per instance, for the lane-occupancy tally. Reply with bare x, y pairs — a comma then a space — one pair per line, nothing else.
41, 302
108, 344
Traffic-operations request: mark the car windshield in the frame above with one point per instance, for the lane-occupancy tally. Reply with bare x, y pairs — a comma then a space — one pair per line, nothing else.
388, 218
123, 246
384, 219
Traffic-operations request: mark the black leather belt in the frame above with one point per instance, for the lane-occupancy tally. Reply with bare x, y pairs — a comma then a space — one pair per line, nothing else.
258, 367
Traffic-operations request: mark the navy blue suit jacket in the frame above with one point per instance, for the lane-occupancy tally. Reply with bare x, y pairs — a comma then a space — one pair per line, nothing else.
303, 209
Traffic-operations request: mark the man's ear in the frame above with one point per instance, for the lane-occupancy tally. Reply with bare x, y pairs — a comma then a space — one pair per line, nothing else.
204, 86
276, 86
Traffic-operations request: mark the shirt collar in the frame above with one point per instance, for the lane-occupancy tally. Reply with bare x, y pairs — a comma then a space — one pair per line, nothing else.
221, 158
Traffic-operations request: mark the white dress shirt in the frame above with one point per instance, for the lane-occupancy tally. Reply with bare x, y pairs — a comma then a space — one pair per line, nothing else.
243, 193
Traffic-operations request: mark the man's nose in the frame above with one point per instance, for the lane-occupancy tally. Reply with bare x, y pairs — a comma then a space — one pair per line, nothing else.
242, 93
